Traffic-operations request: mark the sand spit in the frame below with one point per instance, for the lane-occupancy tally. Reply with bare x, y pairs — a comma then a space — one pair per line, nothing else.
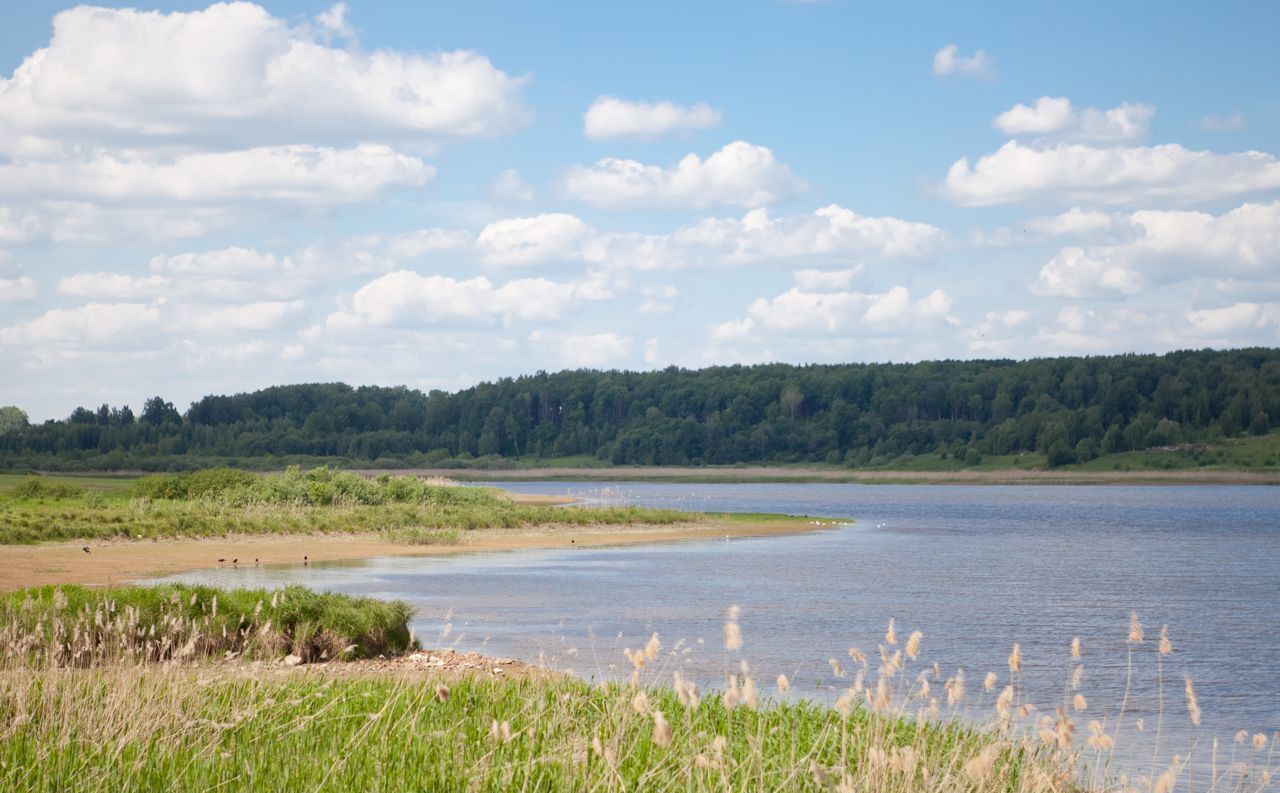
128, 561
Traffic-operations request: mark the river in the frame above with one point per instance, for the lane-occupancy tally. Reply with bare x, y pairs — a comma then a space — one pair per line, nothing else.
974, 568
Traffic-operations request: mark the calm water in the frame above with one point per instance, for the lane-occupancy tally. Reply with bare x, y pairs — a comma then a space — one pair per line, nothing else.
975, 568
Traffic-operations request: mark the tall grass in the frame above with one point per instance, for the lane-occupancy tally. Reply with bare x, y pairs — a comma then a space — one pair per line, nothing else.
168, 729
225, 502
317, 487
898, 727
78, 626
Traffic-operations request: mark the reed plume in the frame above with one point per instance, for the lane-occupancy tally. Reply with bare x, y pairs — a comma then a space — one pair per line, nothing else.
1193, 706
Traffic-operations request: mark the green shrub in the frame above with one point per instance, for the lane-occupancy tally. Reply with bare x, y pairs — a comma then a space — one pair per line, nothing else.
209, 483
39, 487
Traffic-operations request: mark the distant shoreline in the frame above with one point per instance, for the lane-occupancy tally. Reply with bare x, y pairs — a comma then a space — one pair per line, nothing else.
781, 474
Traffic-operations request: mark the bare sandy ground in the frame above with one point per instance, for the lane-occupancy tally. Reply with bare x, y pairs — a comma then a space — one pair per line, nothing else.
444, 664
540, 500
788, 474
122, 561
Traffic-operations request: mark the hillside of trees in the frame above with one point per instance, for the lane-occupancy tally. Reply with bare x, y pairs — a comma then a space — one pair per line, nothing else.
850, 414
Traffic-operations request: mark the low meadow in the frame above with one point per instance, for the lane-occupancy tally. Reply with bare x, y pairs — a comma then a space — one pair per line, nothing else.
229, 502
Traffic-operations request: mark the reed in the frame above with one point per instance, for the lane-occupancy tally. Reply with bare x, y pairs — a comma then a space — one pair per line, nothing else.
124, 715
77, 626
148, 728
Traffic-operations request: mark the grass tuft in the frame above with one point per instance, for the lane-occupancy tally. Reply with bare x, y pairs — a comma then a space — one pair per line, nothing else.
79, 626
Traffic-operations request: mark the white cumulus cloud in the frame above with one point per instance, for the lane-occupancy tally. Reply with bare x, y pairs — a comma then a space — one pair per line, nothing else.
610, 118
94, 323
258, 316
583, 349
948, 61
17, 289
113, 286
798, 311
1073, 272
510, 188
226, 262
515, 242
406, 298
1086, 225
301, 173
831, 231
1168, 246
826, 280
732, 330
1055, 116
233, 73
17, 226
740, 174
1232, 318
1075, 172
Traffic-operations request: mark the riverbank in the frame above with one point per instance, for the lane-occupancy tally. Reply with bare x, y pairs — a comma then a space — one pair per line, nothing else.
235, 726
177, 687
785, 474
116, 561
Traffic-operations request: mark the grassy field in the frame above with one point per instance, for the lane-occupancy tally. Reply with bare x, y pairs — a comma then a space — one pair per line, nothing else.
226, 502
89, 701
129, 729
88, 483
107, 690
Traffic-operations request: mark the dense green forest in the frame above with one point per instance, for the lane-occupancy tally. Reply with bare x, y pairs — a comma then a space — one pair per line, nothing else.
1068, 409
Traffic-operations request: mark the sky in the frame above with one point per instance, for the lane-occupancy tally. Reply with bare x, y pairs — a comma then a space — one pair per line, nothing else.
200, 199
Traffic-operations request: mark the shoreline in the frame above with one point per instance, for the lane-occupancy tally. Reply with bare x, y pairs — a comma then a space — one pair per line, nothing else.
114, 562
777, 474
784, 475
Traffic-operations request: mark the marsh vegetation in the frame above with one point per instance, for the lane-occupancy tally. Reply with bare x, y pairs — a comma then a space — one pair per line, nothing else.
145, 720
228, 502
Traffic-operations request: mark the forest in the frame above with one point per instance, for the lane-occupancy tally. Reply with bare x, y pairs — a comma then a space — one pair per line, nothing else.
1069, 409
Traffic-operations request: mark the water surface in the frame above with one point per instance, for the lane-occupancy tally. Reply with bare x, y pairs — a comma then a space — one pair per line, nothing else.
976, 568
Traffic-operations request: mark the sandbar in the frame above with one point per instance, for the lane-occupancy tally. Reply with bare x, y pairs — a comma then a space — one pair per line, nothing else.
110, 562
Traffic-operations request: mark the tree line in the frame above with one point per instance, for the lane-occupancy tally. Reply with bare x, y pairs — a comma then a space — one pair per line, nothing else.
1068, 408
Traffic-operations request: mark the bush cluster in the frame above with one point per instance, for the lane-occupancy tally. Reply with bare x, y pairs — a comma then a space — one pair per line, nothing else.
317, 487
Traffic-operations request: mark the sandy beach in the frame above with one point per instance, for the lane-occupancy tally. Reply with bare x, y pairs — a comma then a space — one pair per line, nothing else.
125, 561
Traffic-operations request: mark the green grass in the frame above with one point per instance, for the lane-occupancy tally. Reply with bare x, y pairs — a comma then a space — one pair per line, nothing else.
87, 704
224, 502
102, 484
160, 730
81, 626
1258, 453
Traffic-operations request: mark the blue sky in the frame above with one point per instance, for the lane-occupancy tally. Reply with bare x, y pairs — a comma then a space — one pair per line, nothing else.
206, 199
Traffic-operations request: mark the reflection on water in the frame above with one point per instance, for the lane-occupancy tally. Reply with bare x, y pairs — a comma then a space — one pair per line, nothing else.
975, 568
